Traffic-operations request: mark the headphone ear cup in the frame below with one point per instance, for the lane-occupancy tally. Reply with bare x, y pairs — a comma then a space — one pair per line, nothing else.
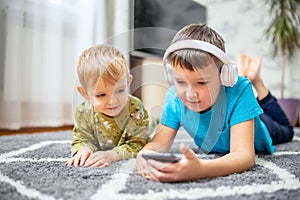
169, 73
229, 75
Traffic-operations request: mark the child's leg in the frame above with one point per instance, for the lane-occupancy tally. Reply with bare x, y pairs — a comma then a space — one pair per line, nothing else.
276, 121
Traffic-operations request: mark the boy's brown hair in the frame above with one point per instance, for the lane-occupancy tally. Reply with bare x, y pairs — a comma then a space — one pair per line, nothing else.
190, 58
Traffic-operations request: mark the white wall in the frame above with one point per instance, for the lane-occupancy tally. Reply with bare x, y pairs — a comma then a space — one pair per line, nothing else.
242, 24
154, 86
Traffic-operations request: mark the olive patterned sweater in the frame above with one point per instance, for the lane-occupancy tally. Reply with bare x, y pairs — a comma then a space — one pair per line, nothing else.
126, 134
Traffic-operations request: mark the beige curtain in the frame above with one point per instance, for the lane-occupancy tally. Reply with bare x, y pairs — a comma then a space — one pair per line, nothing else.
40, 43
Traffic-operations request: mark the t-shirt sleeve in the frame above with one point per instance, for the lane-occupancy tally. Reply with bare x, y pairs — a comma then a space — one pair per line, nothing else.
171, 110
246, 106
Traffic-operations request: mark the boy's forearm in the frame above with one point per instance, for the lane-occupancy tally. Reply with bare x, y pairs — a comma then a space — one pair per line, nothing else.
153, 146
226, 165
162, 141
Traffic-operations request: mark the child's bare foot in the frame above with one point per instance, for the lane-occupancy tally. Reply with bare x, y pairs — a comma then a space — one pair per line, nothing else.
243, 64
251, 70
254, 69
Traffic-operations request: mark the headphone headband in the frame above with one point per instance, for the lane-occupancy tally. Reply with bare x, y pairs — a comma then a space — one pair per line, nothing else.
200, 45
229, 72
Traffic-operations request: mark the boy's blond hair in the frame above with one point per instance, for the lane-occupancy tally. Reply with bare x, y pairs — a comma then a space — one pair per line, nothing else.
101, 61
191, 59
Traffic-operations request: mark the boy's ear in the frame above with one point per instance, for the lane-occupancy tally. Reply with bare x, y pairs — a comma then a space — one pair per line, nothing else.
129, 80
83, 92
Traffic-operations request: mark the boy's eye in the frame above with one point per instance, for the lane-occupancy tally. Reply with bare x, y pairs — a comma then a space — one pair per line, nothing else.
121, 90
100, 95
202, 83
180, 82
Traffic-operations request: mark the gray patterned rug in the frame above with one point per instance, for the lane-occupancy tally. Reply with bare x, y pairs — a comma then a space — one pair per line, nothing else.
32, 167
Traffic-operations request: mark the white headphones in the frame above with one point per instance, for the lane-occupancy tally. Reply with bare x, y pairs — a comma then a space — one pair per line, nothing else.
229, 72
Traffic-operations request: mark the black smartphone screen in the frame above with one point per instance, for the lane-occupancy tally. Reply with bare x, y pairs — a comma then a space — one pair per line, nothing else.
161, 157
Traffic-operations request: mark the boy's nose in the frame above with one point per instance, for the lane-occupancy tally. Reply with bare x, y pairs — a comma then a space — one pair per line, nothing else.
190, 93
113, 100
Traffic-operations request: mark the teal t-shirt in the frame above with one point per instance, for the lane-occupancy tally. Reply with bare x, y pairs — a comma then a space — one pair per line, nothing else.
211, 130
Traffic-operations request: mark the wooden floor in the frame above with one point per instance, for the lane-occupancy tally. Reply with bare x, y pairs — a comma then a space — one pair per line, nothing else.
34, 130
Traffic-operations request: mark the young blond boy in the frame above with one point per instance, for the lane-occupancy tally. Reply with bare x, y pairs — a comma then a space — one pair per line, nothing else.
110, 125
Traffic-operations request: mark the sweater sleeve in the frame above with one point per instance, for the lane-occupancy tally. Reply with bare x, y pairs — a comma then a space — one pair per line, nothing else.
83, 132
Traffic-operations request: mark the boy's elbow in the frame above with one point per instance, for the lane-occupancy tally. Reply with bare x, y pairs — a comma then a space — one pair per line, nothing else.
246, 163
249, 161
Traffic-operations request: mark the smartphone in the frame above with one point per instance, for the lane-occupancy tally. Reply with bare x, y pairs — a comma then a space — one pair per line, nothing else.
161, 157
